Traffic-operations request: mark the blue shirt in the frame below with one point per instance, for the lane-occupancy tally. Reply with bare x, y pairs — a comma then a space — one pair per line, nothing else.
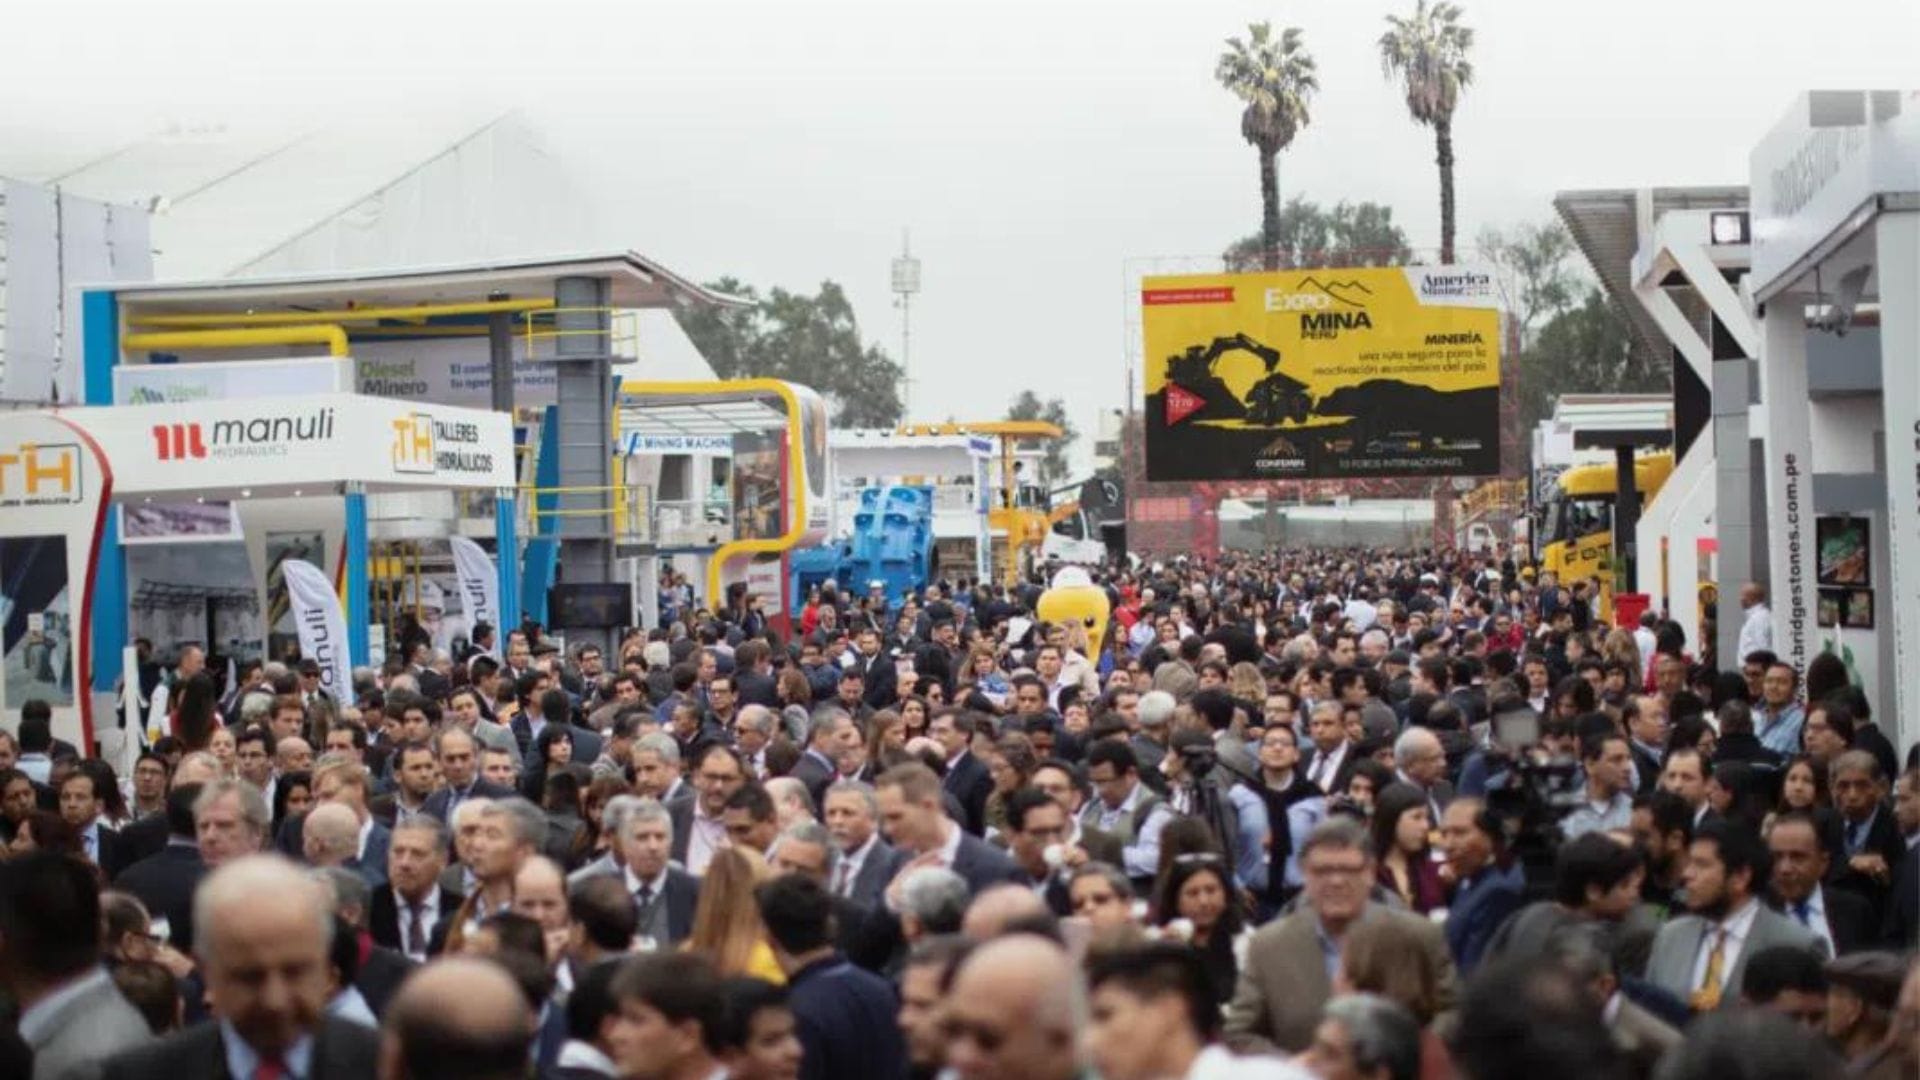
1780, 731
242, 1059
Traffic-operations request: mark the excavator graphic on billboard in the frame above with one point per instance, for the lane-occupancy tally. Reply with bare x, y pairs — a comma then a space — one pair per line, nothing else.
1274, 399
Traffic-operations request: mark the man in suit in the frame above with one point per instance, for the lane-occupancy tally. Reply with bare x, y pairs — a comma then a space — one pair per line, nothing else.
1700, 957
71, 1015
1585, 951
1646, 718
458, 755
1487, 891
557, 708
1843, 922
881, 679
1035, 824
164, 881
1334, 756
81, 803
348, 784
416, 775
816, 767
1287, 976
416, 857
699, 824
866, 863
967, 777
259, 913
1870, 846
845, 1015
1686, 776
909, 800
664, 895
753, 674
1420, 760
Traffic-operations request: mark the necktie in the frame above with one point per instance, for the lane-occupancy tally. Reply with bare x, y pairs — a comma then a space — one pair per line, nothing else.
1855, 834
1320, 772
417, 931
1802, 911
1707, 997
843, 878
643, 899
270, 1069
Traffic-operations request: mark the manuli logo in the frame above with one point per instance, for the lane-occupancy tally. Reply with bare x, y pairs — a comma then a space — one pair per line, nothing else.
174, 442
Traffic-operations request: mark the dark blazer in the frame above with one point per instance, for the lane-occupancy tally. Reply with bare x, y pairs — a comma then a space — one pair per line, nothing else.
164, 882
970, 783
437, 803
115, 854
1478, 910
1341, 775
383, 920
982, 865
755, 689
1851, 921
876, 873
816, 774
681, 814
380, 976
845, 1016
1883, 839
683, 895
144, 837
1646, 766
883, 679
1901, 928
342, 1050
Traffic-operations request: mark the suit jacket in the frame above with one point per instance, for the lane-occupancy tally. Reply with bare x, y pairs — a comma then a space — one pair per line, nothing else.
164, 882
1477, 911
383, 920
883, 679
144, 837
756, 689
1901, 927
1883, 839
1677, 946
1850, 921
982, 865
437, 803
681, 814
1283, 983
876, 873
342, 1050
816, 774
1338, 785
682, 894
79, 1035
1646, 767
970, 783
372, 866
381, 974
845, 1019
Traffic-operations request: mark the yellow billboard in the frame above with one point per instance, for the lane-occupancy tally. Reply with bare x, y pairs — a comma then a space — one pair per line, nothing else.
1322, 373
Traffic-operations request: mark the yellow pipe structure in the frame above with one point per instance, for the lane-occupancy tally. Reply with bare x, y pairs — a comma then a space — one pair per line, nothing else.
333, 337
796, 466
344, 315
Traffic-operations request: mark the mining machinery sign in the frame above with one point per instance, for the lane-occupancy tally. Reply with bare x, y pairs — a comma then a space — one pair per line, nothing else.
1322, 373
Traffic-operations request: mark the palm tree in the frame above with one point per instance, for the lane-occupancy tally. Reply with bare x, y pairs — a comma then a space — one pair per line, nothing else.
1275, 77
1427, 52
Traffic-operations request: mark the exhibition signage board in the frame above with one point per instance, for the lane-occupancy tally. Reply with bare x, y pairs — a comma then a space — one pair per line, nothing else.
1327, 373
163, 384
633, 442
317, 442
1818, 173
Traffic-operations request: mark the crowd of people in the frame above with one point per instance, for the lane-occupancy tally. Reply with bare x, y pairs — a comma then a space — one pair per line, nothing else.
1335, 813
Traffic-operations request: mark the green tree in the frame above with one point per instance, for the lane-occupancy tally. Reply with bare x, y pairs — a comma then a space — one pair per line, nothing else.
811, 340
1537, 271
1585, 349
1028, 406
1427, 53
1275, 78
1351, 234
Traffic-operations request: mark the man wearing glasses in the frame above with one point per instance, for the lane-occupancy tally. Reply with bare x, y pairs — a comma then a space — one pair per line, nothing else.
1291, 962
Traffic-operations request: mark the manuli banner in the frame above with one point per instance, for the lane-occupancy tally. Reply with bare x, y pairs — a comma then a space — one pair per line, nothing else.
1324, 373
320, 625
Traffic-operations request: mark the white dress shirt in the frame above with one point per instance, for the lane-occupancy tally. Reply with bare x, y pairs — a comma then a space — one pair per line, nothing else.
848, 871
1327, 766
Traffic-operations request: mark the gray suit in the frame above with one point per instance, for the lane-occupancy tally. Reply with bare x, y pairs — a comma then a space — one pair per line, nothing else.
1284, 986
75, 1040
1678, 945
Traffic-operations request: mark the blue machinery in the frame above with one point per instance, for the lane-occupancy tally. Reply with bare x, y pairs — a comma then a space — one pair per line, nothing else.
892, 543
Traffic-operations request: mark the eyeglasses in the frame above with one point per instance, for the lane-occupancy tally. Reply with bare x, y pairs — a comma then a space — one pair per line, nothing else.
1198, 858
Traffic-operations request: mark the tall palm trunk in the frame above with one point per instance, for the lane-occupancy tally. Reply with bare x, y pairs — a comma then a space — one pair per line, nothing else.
1443, 142
1269, 210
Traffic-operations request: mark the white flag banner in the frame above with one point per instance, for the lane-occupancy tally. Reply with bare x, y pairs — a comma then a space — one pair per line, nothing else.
479, 587
322, 627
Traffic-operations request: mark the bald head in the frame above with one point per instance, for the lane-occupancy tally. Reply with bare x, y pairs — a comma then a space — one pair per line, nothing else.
331, 834
995, 908
457, 1017
198, 767
1014, 1008
540, 892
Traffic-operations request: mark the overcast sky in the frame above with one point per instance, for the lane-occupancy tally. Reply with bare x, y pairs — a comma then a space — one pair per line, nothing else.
1038, 150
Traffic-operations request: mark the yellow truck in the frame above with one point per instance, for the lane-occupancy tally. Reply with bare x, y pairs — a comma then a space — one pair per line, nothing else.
1575, 540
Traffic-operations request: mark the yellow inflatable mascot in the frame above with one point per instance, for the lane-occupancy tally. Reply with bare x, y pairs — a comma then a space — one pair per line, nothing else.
1075, 600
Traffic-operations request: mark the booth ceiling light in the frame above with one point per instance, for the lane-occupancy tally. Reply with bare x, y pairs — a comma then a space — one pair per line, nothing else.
1730, 227
342, 315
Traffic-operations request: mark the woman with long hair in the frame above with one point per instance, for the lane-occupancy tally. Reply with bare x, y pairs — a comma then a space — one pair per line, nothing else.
1197, 904
1388, 957
726, 921
1620, 647
796, 701
983, 675
552, 751
885, 732
913, 718
1369, 779
292, 795
1803, 787
1011, 766
1735, 793
194, 715
1402, 823
113, 801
